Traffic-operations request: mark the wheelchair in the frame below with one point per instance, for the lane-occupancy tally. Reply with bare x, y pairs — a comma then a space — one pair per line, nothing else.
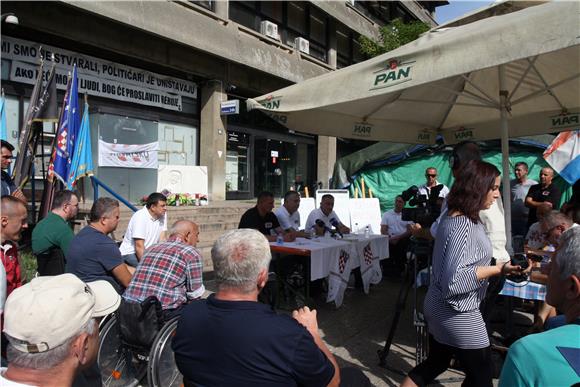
125, 363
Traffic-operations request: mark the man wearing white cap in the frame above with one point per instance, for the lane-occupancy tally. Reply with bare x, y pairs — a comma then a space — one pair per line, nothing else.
52, 329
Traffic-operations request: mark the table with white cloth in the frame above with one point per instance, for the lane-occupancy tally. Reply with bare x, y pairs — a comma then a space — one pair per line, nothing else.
336, 258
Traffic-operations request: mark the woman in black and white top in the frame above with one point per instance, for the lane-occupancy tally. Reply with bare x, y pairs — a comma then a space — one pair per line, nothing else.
461, 267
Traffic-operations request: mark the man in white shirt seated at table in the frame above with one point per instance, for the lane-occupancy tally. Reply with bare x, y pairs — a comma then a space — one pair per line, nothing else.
288, 215
398, 231
322, 219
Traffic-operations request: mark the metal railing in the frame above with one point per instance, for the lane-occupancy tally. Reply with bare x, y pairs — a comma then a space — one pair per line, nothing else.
96, 183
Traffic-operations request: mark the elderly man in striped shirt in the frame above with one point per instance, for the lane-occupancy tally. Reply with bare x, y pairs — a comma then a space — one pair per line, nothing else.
171, 271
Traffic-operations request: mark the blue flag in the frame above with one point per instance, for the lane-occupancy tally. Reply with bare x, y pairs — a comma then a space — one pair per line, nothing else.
68, 129
3, 131
82, 161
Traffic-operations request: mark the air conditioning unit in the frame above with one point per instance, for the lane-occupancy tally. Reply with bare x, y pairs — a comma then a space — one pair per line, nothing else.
269, 29
302, 45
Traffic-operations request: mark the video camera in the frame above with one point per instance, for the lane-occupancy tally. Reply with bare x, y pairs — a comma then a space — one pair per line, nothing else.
427, 208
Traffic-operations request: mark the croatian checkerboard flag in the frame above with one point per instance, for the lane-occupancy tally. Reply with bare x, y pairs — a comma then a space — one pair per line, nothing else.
563, 155
68, 129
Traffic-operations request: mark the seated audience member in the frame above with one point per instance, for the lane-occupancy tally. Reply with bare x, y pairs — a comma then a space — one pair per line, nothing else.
53, 331
323, 219
250, 345
52, 235
262, 218
171, 271
146, 228
425, 189
519, 190
552, 226
92, 255
397, 230
535, 239
552, 358
14, 219
288, 215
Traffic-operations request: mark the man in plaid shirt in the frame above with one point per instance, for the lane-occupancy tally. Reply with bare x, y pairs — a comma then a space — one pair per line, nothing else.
171, 271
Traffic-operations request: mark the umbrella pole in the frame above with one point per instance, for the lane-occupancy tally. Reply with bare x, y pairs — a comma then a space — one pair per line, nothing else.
503, 95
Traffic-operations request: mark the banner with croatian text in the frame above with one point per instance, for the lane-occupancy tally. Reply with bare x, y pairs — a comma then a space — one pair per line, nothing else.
128, 155
97, 76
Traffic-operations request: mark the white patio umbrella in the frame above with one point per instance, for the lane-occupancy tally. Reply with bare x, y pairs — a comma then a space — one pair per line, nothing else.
504, 76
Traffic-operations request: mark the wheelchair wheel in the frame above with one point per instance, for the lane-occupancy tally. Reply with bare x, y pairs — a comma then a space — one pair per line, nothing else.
162, 370
118, 364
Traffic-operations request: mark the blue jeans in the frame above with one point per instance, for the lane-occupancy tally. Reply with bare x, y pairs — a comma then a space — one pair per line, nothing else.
131, 259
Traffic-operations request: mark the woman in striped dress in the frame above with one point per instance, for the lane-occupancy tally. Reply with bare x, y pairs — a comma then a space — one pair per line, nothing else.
461, 267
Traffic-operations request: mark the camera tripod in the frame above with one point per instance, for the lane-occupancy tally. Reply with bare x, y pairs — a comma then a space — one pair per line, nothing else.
418, 256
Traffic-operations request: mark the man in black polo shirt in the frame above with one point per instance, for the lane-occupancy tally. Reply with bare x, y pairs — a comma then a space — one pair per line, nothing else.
545, 195
262, 218
230, 339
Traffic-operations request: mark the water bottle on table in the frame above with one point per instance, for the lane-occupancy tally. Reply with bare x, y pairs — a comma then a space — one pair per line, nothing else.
280, 239
367, 232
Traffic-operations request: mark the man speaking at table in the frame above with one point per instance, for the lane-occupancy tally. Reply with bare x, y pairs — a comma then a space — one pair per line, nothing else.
324, 218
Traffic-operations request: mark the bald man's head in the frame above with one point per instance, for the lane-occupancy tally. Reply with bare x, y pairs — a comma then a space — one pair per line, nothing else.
186, 230
13, 218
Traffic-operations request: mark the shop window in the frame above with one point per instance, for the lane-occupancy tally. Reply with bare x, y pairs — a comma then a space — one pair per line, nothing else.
177, 144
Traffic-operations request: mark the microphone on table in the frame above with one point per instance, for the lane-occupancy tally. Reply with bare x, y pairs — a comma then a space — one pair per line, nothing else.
321, 224
336, 225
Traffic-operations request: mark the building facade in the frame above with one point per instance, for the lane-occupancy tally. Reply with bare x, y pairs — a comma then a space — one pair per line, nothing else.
156, 75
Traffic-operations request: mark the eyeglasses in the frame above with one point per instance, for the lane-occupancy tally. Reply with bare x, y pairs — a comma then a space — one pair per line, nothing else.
430, 175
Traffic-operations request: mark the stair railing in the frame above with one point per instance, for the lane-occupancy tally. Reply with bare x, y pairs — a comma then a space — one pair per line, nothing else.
98, 183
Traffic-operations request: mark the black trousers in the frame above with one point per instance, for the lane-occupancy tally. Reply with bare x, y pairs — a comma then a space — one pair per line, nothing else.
494, 286
476, 363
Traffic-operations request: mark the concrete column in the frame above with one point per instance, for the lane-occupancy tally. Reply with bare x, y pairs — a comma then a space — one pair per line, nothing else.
221, 8
326, 159
213, 139
331, 52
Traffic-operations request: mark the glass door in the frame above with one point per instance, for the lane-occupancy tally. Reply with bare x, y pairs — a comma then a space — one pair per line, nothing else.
274, 166
237, 166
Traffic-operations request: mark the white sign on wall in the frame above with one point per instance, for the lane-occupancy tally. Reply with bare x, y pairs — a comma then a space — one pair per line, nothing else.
128, 155
182, 179
97, 76
365, 212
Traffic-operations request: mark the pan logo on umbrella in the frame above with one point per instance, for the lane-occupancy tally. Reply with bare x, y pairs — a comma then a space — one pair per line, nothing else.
362, 129
463, 134
271, 102
396, 72
570, 120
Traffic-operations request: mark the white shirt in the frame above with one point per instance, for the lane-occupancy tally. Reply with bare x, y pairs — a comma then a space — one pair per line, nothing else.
394, 221
424, 190
142, 226
318, 214
286, 220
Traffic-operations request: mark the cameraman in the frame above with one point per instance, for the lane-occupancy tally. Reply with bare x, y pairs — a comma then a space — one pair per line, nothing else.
425, 189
